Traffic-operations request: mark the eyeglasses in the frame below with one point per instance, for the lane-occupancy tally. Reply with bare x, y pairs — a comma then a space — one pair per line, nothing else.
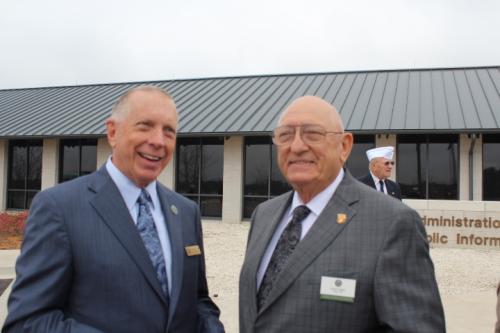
309, 134
386, 163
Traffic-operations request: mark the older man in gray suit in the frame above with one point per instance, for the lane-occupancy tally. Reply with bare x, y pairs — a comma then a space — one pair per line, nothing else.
333, 255
116, 251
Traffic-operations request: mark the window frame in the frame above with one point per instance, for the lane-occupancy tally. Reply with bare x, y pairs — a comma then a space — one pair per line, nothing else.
265, 141
80, 142
427, 140
362, 139
199, 142
489, 138
25, 190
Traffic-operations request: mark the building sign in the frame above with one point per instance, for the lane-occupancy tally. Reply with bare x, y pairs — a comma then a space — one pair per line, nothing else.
466, 232
460, 224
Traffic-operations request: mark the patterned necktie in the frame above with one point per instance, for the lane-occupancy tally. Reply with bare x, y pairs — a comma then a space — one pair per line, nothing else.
382, 186
147, 229
286, 244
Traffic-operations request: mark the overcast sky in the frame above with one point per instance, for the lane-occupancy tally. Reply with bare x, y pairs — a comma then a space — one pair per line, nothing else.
65, 42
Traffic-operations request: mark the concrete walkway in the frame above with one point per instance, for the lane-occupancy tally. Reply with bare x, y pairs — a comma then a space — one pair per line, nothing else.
464, 313
7, 262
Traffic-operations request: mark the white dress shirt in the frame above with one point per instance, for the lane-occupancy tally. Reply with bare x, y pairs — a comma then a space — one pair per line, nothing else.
377, 180
316, 205
130, 193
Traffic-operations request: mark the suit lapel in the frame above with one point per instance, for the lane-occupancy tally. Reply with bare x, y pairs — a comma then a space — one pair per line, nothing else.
324, 231
109, 204
174, 228
391, 188
368, 180
262, 236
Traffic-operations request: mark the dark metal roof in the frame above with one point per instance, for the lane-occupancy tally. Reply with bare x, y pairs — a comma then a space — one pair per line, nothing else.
399, 101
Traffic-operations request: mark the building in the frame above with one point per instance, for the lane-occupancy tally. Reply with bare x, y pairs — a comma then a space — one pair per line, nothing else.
444, 123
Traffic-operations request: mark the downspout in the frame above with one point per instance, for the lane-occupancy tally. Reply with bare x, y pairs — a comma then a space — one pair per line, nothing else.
473, 137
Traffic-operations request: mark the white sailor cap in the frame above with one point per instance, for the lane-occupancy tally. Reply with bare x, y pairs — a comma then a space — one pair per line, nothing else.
386, 152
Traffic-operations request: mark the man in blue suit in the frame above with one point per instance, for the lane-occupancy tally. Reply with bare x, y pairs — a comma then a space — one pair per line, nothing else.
116, 251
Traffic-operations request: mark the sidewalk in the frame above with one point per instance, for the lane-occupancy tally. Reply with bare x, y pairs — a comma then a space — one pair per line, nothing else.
465, 313
7, 261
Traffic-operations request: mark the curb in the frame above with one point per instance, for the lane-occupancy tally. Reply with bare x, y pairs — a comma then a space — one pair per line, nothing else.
3, 303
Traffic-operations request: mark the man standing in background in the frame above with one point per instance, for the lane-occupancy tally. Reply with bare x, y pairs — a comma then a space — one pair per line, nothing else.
380, 167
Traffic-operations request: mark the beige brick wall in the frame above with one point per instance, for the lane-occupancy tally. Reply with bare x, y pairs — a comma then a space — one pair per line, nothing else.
3, 173
477, 168
49, 163
233, 180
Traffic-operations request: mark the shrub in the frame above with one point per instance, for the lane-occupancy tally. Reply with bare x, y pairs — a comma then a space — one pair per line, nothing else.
13, 223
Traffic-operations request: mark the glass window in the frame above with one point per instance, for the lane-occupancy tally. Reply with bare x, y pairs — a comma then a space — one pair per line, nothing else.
77, 157
199, 172
491, 167
357, 163
411, 166
262, 178
278, 184
188, 165
427, 166
25, 172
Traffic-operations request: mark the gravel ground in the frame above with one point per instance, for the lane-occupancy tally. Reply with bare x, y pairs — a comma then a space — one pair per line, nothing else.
458, 271
464, 271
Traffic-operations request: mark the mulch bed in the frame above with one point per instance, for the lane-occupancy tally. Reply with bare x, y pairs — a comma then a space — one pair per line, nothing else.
10, 242
4, 283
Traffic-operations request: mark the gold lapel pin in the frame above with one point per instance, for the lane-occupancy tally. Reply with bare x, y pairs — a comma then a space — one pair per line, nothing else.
341, 218
174, 209
192, 250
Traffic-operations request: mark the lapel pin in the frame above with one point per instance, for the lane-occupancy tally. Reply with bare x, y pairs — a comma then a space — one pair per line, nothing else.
192, 250
174, 209
341, 218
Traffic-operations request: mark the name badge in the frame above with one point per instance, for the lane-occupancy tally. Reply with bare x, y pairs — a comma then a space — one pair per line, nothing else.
337, 289
192, 250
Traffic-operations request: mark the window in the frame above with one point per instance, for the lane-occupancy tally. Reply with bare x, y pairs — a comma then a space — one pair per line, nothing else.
77, 157
263, 179
25, 172
200, 163
358, 162
428, 166
491, 167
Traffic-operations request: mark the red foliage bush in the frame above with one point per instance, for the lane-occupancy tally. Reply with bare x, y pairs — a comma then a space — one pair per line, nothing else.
13, 223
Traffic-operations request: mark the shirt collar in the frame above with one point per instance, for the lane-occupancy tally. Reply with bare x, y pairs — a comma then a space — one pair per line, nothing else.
129, 191
376, 180
320, 200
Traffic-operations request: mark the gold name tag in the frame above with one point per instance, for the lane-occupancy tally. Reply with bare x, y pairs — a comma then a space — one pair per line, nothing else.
193, 250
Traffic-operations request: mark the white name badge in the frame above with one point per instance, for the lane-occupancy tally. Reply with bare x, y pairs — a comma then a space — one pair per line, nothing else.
337, 289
